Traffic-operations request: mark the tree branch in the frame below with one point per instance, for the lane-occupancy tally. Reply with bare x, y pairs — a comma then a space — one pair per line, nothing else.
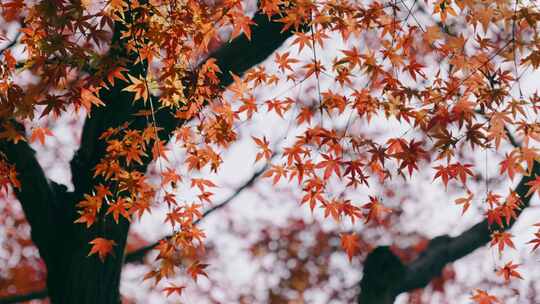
139, 254
12, 43
235, 57
420, 272
24, 297
242, 54
441, 251
37, 195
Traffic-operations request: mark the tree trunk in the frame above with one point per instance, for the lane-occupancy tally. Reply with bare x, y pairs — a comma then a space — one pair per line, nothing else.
82, 279
72, 275
383, 271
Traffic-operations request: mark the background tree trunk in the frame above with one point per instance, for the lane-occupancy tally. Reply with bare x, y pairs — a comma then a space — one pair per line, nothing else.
383, 272
78, 278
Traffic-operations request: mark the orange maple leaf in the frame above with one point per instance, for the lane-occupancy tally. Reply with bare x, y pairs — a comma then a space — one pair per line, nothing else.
102, 247
283, 61
263, 145
534, 186
241, 23
350, 243
482, 297
197, 269
39, 134
88, 98
465, 201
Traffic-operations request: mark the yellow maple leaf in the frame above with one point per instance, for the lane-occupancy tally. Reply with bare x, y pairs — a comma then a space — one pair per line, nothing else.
138, 87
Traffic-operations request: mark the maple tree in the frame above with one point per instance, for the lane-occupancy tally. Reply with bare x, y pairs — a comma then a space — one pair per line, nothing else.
372, 96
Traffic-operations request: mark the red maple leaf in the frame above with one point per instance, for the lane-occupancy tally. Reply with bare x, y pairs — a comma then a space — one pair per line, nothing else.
508, 271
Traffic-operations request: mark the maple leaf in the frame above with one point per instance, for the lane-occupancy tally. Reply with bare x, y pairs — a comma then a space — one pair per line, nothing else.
314, 67
283, 61
205, 196
302, 39
492, 199
266, 153
39, 134
330, 165
444, 173
116, 73
169, 198
170, 176
333, 208
279, 106
495, 215
102, 247
294, 154
461, 171
415, 68
88, 218
410, 156
88, 99
352, 57
502, 239
508, 271
174, 289
313, 197
10, 133
239, 87
482, 297
248, 106
196, 269
277, 171
353, 212
305, 115
201, 183
350, 242
120, 207
529, 155
511, 164
536, 240
465, 201
241, 23
376, 210
534, 186
159, 150
396, 145
139, 87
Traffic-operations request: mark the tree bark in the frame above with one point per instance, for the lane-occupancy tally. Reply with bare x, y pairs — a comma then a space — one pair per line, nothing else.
78, 278
385, 277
